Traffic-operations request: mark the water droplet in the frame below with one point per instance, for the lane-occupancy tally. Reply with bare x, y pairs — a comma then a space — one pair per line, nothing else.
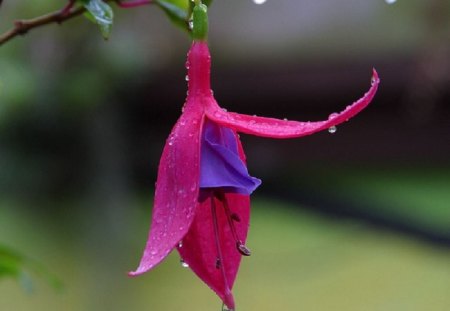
191, 24
259, 1
183, 263
180, 244
224, 109
186, 78
373, 80
170, 143
225, 308
243, 249
285, 119
390, 1
212, 92
332, 129
187, 65
333, 115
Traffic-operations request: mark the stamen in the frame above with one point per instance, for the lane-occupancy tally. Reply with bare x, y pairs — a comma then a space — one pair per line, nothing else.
219, 258
240, 246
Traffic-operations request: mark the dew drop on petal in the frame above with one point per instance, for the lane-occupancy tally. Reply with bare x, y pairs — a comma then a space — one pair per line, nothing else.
186, 78
183, 263
333, 115
225, 308
193, 187
332, 129
180, 244
259, 1
191, 24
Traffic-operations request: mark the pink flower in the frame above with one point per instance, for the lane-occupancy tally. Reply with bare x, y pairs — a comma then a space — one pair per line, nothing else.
202, 203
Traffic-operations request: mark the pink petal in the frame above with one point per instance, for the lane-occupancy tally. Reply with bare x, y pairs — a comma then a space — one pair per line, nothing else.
199, 248
176, 195
275, 128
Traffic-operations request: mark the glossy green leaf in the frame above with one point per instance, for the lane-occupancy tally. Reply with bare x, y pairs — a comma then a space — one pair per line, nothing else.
100, 13
176, 10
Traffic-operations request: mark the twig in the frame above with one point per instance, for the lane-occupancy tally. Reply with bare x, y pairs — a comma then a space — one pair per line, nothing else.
21, 27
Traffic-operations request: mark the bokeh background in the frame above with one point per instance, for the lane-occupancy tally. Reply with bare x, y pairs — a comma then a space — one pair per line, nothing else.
356, 220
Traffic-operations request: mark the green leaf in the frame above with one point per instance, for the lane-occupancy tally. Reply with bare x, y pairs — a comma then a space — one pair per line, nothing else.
177, 11
100, 13
19, 267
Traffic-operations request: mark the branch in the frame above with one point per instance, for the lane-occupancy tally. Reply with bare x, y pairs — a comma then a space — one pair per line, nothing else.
21, 27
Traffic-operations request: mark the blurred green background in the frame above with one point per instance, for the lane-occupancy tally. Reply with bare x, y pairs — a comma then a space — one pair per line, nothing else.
356, 220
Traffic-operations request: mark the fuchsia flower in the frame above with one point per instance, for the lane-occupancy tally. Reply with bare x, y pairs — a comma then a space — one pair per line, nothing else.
202, 204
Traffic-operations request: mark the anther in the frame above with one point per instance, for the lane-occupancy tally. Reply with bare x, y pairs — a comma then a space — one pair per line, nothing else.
243, 249
235, 217
218, 263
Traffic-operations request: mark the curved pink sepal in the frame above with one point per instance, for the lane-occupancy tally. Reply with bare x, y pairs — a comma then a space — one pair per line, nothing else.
177, 188
275, 128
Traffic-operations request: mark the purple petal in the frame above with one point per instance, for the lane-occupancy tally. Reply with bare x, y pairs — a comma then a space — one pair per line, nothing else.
220, 165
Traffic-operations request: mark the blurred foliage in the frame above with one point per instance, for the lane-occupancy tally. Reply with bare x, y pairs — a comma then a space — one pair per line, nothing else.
20, 267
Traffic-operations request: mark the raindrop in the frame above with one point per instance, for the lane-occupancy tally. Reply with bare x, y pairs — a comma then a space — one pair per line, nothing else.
180, 244
333, 115
259, 1
332, 129
194, 187
183, 263
390, 1
186, 78
225, 308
